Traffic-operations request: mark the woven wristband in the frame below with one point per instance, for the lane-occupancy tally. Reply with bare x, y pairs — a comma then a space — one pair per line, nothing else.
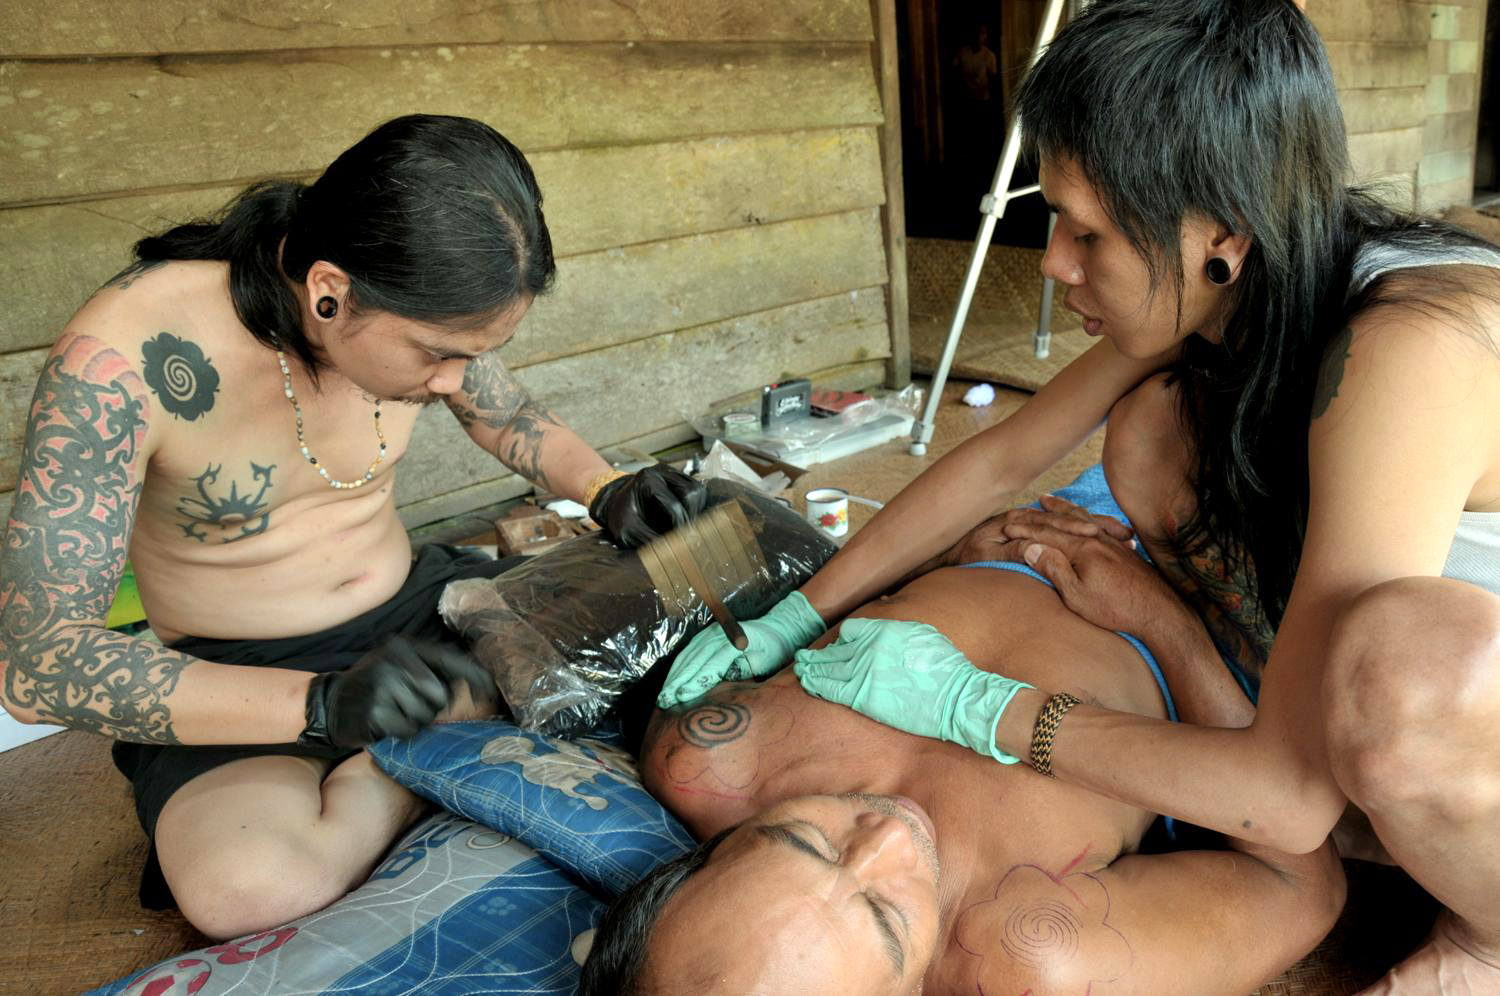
598, 483
1046, 730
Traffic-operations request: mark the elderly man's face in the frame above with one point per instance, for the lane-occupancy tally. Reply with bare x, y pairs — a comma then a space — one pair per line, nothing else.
823, 894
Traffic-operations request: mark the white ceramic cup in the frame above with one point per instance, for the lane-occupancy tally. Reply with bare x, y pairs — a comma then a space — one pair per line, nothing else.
828, 510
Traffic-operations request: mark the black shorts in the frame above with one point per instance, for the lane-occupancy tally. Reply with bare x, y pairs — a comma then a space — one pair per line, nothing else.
156, 772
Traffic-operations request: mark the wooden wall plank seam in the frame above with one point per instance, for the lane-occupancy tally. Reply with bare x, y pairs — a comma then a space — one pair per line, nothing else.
1364, 21
893, 217
620, 295
53, 257
62, 28
75, 129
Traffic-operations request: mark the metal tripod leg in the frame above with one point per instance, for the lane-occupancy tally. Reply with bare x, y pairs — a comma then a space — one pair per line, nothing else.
992, 206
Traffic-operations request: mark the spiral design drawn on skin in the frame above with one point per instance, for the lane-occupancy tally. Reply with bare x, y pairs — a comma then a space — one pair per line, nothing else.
1041, 933
711, 725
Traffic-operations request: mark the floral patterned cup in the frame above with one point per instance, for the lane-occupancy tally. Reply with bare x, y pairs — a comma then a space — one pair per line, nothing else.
828, 510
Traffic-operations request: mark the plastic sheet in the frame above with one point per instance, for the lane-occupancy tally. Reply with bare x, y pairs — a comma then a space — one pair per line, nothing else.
566, 633
805, 441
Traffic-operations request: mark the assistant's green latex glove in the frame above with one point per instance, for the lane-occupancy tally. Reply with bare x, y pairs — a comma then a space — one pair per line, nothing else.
908, 675
710, 658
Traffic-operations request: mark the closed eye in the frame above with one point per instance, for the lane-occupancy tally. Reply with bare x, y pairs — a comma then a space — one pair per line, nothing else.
889, 938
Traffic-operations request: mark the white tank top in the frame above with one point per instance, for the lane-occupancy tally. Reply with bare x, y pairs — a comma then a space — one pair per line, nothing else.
1475, 554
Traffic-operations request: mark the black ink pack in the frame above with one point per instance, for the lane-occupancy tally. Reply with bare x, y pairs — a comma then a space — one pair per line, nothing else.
785, 401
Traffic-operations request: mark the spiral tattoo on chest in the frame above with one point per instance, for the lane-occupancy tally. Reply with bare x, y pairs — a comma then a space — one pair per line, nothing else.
715, 724
180, 375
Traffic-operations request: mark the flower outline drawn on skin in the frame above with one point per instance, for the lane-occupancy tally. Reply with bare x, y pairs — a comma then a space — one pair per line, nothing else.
1041, 930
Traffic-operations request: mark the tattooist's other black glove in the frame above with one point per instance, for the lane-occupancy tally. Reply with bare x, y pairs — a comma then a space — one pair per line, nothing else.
639, 507
392, 691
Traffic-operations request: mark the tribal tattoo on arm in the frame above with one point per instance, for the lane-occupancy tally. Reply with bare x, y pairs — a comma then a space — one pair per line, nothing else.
1225, 597
492, 399
65, 552
1223, 589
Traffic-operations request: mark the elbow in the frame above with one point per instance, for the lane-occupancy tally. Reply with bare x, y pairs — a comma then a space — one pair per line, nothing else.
1302, 820
26, 717
13, 709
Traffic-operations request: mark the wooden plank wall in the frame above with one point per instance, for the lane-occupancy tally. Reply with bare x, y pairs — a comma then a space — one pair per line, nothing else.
712, 173
1408, 75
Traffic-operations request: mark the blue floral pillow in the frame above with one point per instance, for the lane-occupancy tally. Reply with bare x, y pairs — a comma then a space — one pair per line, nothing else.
501, 898
578, 803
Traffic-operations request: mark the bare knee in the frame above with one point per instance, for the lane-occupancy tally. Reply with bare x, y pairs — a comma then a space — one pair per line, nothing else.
1146, 456
253, 887
1412, 696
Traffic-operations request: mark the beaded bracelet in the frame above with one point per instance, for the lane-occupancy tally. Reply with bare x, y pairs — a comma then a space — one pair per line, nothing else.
597, 485
1046, 730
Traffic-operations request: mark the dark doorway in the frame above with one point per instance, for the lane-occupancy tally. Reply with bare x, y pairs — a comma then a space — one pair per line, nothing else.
1487, 152
960, 62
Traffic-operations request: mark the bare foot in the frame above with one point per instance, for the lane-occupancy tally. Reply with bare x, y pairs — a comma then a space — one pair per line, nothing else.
1444, 966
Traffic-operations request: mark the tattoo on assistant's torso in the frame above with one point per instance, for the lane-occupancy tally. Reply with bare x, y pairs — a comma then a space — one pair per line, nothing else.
231, 516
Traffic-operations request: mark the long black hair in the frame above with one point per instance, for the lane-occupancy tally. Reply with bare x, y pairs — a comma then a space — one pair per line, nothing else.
1227, 111
434, 218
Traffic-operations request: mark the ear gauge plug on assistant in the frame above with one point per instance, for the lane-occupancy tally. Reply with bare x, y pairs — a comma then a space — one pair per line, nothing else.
1218, 270
327, 307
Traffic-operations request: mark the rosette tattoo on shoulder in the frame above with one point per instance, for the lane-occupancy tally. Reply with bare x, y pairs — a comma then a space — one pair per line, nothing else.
180, 375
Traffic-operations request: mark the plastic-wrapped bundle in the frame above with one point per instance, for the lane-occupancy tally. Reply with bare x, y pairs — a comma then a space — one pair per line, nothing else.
570, 630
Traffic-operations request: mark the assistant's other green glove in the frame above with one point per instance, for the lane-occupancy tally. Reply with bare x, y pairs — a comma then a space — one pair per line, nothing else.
710, 658
908, 675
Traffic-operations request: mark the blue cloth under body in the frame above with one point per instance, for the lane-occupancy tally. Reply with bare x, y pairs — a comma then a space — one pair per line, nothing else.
1090, 491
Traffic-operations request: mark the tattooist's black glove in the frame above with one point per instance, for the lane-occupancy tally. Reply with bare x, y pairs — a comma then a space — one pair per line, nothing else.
392, 691
639, 507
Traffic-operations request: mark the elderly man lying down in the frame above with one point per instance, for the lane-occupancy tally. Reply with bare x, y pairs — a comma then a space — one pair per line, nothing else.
843, 856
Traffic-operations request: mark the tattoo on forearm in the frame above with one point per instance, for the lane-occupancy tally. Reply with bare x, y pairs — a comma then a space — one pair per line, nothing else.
521, 442
179, 375
1331, 373
491, 396
223, 514
1225, 597
66, 549
1041, 926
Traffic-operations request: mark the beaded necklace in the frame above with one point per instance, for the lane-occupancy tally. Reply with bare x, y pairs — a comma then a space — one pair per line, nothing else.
286, 378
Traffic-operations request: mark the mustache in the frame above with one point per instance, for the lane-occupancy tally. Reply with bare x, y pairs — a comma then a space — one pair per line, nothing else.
421, 400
